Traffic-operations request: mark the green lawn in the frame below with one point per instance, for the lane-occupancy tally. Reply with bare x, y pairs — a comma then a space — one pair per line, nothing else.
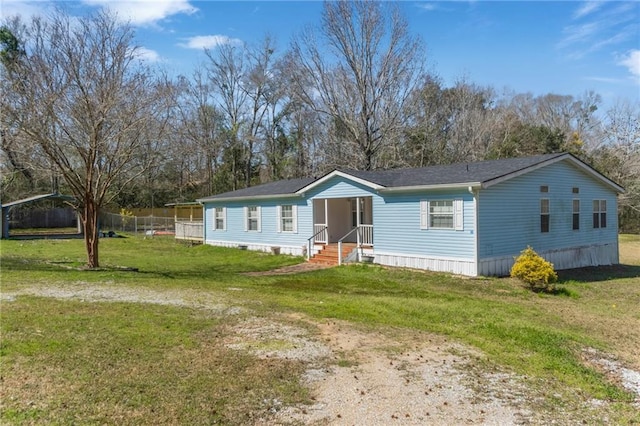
66, 361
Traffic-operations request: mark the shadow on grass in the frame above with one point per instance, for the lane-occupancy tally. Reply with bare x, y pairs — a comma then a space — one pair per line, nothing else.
598, 273
45, 236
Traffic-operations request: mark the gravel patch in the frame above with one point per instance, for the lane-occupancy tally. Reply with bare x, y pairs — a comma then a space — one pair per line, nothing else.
628, 378
429, 383
86, 292
268, 339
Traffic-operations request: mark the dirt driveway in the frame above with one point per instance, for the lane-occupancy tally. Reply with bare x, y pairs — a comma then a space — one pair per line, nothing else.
363, 377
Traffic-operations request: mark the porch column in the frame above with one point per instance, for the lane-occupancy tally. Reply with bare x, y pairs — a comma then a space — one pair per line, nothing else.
326, 212
358, 221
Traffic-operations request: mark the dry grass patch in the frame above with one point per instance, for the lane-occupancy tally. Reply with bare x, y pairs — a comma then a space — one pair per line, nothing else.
630, 249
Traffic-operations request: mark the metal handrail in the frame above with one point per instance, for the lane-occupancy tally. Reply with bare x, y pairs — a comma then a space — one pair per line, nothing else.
340, 244
311, 238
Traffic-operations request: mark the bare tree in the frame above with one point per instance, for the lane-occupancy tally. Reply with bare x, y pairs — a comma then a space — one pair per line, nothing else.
89, 107
226, 71
200, 127
619, 157
359, 68
242, 78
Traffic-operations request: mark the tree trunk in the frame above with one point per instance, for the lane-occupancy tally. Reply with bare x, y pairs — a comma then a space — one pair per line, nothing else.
90, 228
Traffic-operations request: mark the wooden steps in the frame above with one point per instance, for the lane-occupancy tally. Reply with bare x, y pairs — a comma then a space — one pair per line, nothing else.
329, 254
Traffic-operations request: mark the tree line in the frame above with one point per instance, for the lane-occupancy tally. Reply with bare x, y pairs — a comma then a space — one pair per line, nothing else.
81, 107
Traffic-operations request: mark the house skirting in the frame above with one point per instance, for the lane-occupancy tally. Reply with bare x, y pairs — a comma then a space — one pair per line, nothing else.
438, 264
567, 258
268, 248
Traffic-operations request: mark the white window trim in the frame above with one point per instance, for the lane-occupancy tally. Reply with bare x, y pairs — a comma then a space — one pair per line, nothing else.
246, 219
601, 202
294, 216
548, 214
458, 215
224, 219
574, 212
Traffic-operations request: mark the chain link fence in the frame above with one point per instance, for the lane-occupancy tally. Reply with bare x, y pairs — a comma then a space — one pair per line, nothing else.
144, 225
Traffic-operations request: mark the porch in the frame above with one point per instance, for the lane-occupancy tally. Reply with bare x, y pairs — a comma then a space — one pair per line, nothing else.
342, 229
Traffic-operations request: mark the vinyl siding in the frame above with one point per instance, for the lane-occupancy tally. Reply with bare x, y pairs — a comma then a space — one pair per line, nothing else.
396, 222
509, 212
339, 187
268, 235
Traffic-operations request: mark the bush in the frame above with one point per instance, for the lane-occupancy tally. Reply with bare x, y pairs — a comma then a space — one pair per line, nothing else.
533, 270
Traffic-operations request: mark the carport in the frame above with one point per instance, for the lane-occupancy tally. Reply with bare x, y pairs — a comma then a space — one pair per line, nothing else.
6, 208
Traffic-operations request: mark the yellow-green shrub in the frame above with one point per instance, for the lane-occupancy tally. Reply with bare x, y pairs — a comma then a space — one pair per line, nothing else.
532, 269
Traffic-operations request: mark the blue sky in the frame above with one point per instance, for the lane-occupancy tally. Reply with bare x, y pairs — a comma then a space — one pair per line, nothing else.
540, 47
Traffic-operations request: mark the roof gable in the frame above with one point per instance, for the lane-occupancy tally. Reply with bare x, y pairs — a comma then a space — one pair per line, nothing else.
551, 160
350, 176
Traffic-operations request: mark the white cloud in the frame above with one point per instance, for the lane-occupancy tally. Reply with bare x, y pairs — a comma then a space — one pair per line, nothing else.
605, 80
602, 25
209, 42
427, 6
632, 62
147, 55
145, 12
587, 8
25, 9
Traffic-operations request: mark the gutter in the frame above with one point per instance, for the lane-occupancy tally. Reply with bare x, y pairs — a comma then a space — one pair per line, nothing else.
464, 185
249, 197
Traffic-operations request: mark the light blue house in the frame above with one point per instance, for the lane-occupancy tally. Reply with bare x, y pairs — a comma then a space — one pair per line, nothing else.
469, 218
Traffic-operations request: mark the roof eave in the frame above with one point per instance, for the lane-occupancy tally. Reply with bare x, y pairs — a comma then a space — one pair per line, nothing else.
248, 197
413, 188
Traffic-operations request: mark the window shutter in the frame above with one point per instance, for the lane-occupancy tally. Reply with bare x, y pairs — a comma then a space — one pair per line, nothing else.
424, 214
259, 213
294, 213
214, 219
246, 219
279, 218
224, 218
458, 218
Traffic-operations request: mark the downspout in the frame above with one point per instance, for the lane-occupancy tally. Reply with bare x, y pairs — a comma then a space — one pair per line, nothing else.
476, 208
204, 223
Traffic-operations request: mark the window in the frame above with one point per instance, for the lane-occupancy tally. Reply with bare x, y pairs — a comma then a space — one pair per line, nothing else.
544, 188
252, 218
575, 190
576, 215
441, 214
544, 215
219, 219
287, 220
599, 213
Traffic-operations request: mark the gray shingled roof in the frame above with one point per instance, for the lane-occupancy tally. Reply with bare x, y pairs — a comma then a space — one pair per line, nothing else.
280, 187
481, 172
